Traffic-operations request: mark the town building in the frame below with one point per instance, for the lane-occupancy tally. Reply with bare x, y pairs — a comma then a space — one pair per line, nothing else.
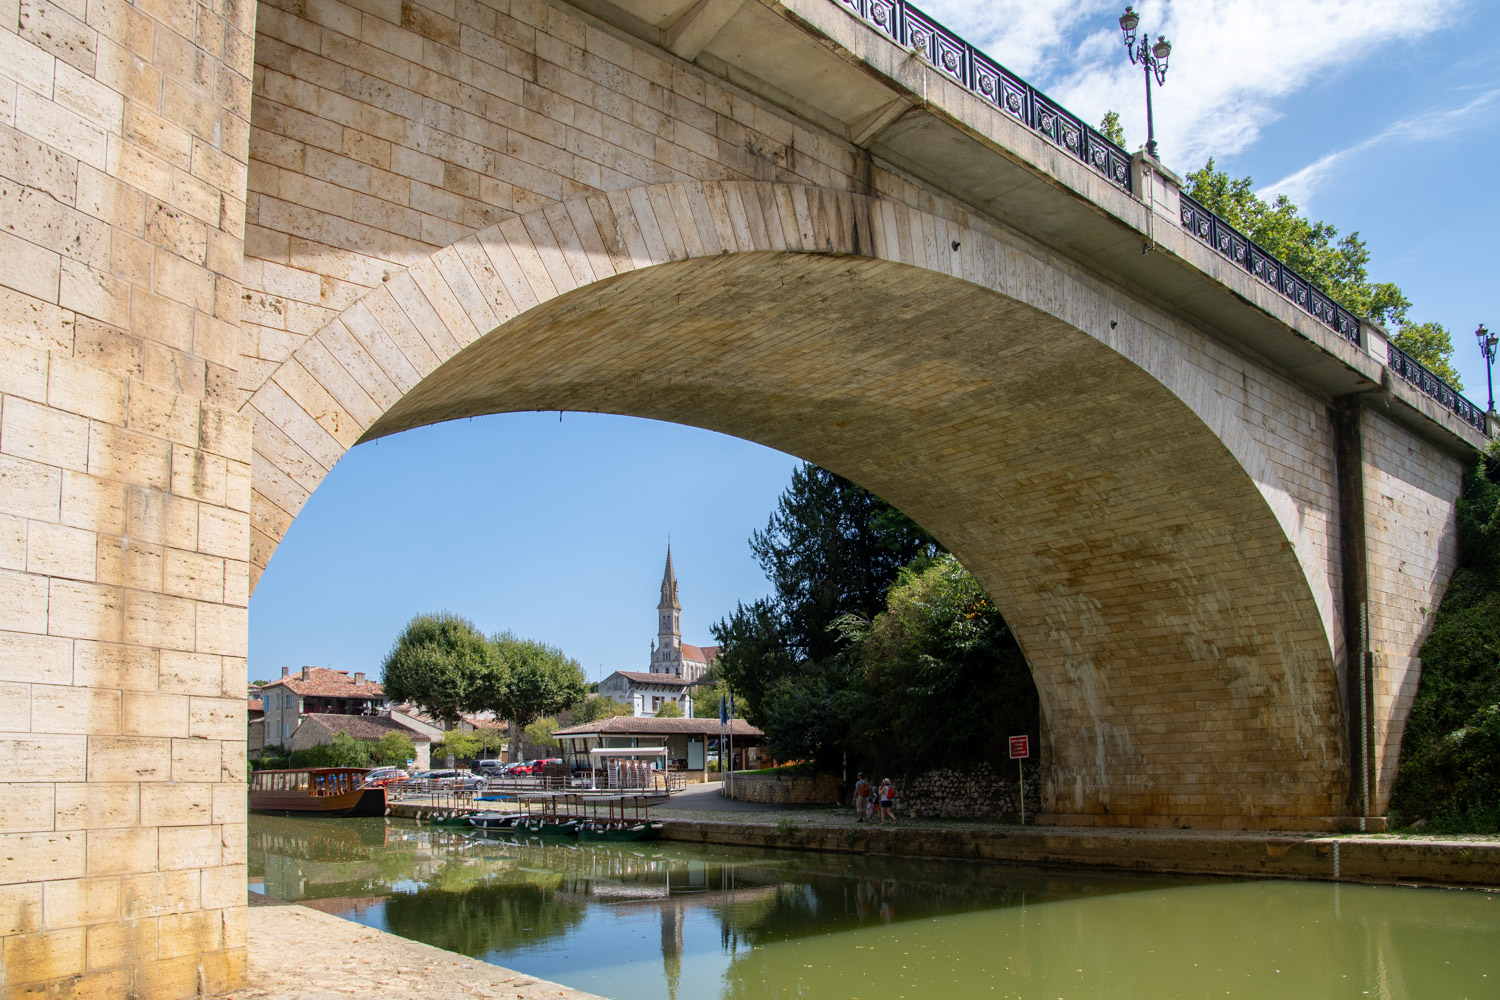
675, 665
255, 723
317, 729
316, 690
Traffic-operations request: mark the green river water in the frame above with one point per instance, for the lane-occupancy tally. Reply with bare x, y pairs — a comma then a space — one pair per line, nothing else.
664, 920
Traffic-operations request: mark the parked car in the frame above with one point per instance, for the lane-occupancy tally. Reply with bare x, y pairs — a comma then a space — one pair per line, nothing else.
384, 777
491, 767
456, 779
535, 766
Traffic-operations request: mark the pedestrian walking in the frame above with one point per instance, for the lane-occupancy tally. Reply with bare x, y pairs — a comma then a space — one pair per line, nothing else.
862, 796
887, 801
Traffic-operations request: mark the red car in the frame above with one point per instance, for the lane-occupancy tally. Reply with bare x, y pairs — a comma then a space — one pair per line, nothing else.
535, 766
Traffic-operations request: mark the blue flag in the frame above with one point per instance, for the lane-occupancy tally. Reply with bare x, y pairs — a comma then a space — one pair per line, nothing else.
723, 715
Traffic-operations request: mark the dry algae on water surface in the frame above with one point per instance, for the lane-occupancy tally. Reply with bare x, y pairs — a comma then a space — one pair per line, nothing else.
651, 920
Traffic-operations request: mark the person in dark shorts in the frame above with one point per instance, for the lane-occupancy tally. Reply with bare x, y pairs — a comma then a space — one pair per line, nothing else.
887, 797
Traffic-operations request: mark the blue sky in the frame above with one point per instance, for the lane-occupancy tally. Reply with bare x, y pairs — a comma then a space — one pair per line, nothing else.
1377, 116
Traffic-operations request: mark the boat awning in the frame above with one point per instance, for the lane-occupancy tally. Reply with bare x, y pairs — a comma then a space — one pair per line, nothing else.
629, 752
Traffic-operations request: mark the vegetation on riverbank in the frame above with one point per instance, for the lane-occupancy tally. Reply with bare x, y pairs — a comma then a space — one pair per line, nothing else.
877, 648
1450, 754
391, 750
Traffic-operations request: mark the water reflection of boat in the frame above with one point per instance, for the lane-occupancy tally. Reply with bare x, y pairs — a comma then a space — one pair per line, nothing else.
311, 840
326, 791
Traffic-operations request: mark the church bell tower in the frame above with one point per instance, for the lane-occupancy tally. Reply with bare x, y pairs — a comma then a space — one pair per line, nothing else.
667, 659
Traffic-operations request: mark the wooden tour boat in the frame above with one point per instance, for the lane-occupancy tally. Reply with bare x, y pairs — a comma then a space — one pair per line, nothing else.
323, 791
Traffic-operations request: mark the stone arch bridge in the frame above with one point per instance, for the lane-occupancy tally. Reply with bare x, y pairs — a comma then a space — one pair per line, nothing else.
239, 240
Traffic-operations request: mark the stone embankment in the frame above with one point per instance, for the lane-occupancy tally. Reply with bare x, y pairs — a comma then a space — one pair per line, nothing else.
979, 791
1363, 859
300, 954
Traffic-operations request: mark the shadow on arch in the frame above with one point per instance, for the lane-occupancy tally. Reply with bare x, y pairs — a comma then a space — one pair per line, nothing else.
1179, 651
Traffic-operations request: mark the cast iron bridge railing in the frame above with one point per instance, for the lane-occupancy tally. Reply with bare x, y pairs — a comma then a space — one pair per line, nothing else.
1230, 243
961, 62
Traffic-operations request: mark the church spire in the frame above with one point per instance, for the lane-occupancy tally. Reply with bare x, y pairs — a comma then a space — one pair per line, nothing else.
669, 586
667, 659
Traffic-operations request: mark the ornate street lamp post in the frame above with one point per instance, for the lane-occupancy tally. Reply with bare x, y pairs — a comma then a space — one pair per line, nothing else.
1152, 59
1487, 342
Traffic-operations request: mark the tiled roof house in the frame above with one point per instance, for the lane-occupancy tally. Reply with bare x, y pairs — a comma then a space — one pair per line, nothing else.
316, 690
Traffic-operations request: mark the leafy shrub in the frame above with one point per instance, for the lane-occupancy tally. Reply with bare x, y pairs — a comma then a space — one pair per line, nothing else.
1450, 753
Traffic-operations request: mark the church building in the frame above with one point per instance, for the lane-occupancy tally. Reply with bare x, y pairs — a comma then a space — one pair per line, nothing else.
675, 665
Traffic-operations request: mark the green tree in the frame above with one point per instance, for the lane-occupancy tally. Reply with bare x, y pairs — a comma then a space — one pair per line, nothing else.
342, 751
599, 707
1111, 129
392, 750
539, 733
437, 662
830, 548
669, 710
459, 743
946, 673
530, 679
1339, 267
706, 694
1450, 753
1430, 344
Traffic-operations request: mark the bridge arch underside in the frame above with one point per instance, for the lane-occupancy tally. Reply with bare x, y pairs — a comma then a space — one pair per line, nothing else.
1184, 670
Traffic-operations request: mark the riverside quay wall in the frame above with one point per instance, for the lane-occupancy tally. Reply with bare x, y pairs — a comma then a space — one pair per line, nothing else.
238, 240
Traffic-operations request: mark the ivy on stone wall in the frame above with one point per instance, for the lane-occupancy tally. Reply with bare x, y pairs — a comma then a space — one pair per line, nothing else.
1450, 754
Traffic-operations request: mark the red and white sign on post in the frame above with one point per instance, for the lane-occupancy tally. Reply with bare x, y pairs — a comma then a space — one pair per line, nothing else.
1020, 749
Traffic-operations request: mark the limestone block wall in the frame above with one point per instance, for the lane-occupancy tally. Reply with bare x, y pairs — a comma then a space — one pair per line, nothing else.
385, 130
1412, 549
124, 496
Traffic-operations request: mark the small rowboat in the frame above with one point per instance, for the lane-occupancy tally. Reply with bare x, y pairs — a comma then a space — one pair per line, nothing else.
495, 821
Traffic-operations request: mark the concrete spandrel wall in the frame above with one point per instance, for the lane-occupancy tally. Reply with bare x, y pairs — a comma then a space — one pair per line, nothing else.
1412, 539
124, 496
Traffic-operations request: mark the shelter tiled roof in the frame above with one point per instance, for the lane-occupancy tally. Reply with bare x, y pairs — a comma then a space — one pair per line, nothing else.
255, 705
671, 680
363, 727
626, 725
324, 683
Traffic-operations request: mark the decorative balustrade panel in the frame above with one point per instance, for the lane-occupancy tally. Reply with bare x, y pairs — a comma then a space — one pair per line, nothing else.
956, 59
1234, 245
1416, 373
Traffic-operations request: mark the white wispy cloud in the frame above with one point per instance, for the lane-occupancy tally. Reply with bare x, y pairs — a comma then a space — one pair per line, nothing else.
1234, 62
1426, 126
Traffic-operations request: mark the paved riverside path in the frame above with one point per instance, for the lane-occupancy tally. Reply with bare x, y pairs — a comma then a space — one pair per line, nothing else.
301, 954
707, 797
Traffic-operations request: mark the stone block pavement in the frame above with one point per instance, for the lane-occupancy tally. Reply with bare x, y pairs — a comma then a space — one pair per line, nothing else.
301, 954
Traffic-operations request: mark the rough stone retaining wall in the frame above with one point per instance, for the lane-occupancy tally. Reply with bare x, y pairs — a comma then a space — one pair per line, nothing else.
980, 792
1348, 859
